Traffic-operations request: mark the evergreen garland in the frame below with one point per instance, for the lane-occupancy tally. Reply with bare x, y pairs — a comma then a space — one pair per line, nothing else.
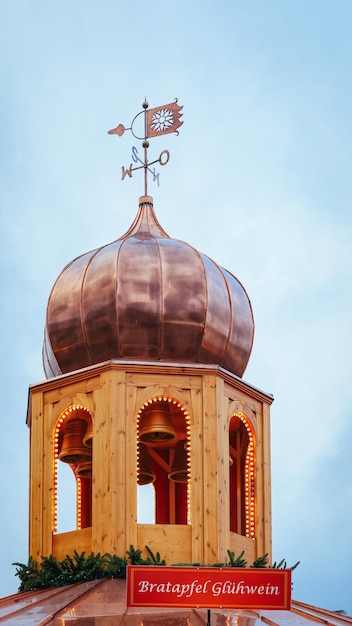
80, 568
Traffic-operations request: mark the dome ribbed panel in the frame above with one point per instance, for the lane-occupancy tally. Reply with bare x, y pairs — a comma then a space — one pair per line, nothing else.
241, 337
183, 301
99, 310
64, 323
218, 319
139, 298
50, 364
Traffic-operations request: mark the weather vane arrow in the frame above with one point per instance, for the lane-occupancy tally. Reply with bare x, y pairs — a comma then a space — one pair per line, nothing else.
157, 121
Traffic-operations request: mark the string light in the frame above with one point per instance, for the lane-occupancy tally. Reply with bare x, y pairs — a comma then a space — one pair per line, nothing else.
249, 478
79, 503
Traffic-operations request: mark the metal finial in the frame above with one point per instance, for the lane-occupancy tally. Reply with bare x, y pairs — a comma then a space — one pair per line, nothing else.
157, 121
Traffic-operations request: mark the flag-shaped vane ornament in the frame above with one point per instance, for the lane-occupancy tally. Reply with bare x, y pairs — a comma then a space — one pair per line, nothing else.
162, 120
157, 121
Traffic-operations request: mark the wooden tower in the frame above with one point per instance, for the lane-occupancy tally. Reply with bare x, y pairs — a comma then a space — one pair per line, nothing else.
146, 342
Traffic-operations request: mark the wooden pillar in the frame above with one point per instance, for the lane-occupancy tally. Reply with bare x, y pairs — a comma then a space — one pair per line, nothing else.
267, 541
223, 523
210, 473
197, 477
109, 466
35, 478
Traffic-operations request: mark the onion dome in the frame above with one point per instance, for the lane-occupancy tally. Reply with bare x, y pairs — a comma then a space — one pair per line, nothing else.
148, 297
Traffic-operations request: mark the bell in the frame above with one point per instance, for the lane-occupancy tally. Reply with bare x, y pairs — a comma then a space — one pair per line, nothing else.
88, 437
156, 424
84, 470
179, 469
73, 449
235, 424
145, 474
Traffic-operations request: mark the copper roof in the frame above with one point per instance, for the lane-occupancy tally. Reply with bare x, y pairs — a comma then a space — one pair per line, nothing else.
150, 297
103, 603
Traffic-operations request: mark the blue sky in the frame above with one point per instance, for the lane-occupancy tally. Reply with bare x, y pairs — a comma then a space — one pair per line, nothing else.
259, 179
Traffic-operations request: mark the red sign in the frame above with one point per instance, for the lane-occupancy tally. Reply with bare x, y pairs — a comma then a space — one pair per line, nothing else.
208, 587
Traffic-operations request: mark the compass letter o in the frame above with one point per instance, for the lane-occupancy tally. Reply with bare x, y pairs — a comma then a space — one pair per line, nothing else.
164, 159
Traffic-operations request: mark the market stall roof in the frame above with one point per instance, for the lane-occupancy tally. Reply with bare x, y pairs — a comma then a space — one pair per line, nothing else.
103, 603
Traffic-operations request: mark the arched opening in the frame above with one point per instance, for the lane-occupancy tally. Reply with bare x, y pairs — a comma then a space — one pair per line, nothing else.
65, 498
145, 504
72, 469
163, 460
242, 476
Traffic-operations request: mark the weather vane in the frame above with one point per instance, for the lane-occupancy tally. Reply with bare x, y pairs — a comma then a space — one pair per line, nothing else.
157, 121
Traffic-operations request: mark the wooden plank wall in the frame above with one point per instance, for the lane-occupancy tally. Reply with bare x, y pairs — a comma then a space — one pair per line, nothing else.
114, 396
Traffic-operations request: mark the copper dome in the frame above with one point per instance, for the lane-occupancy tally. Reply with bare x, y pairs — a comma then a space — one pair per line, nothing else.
146, 296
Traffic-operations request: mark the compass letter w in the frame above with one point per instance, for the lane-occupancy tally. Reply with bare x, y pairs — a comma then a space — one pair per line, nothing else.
127, 171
